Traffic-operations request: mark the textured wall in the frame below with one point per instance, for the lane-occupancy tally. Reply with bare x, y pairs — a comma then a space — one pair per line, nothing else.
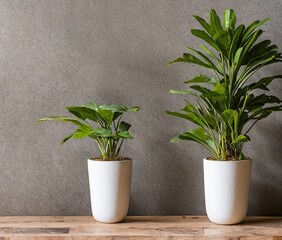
59, 53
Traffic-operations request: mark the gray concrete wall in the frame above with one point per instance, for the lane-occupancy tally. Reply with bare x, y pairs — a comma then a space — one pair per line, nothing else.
60, 53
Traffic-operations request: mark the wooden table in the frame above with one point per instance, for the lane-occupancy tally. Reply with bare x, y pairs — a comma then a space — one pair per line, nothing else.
139, 227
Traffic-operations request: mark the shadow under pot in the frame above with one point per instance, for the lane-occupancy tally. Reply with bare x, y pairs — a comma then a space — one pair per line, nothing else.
227, 190
110, 184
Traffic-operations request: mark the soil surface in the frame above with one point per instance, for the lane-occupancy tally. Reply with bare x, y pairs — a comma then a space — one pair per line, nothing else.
110, 159
228, 159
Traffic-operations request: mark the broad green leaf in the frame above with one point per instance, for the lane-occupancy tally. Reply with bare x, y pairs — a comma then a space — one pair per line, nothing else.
84, 112
199, 135
261, 56
180, 59
114, 108
223, 41
66, 139
77, 114
204, 36
203, 79
61, 119
124, 126
189, 58
215, 24
203, 56
219, 89
237, 56
252, 27
229, 116
82, 131
204, 24
101, 132
199, 79
248, 45
262, 83
240, 138
188, 116
209, 52
91, 105
188, 108
124, 134
229, 19
236, 41
107, 115
259, 50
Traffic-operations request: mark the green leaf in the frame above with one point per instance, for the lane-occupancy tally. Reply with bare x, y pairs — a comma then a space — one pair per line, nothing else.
261, 100
106, 115
113, 108
210, 53
253, 37
204, 24
61, 119
252, 27
91, 105
199, 135
124, 126
215, 24
66, 139
223, 41
219, 89
236, 41
237, 56
204, 36
174, 91
229, 19
124, 134
133, 109
240, 138
82, 131
204, 57
101, 132
261, 84
188, 116
189, 58
199, 79
229, 116
83, 112
176, 139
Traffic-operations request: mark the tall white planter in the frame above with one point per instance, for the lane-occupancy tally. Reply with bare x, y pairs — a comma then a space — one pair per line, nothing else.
110, 183
227, 190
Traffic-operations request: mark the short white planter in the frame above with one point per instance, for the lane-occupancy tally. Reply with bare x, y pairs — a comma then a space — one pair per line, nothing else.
227, 190
110, 183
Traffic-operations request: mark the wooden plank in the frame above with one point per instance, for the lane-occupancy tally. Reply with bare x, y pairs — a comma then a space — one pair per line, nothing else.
137, 227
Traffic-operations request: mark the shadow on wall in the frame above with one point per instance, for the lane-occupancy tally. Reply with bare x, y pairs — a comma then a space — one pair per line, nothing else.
266, 187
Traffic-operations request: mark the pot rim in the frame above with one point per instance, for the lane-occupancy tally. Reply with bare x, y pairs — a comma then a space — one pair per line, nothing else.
109, 161
228, 161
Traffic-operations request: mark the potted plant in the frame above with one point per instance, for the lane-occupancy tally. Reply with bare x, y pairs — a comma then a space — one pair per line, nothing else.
109, 174
227, 105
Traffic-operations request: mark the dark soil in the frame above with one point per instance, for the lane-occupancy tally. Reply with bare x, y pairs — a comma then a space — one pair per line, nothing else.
228, 159
110, 159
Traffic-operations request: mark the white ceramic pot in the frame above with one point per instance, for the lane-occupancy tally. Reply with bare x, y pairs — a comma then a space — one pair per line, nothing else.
227, 190
110, 183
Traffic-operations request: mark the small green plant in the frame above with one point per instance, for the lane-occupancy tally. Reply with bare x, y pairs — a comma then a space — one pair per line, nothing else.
109, 134
227, 105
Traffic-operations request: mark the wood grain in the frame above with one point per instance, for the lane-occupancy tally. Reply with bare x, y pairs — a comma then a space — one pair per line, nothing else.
138, 227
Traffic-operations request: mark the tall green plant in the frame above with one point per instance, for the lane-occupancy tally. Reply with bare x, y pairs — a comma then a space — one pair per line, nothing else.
227, 104
111, 131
